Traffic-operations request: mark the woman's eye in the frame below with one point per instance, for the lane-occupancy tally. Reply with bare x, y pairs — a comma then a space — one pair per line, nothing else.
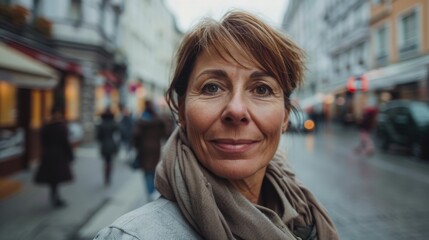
263, 90
210, 88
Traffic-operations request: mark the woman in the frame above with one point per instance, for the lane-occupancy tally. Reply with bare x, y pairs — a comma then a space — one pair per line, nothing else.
107, 134
221, 175
56, 157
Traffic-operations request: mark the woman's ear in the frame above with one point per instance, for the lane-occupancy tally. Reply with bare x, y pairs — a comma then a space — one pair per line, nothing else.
182, 119
285, 123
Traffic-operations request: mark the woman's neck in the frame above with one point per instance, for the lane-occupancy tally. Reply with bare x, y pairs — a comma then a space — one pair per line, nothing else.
250, 188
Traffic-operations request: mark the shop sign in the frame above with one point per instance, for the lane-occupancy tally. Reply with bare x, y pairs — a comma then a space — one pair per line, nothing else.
11, 143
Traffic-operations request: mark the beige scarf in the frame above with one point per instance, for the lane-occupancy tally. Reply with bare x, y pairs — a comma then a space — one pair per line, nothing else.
217, 211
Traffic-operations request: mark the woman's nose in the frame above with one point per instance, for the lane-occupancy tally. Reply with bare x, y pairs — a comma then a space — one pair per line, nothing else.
236, 110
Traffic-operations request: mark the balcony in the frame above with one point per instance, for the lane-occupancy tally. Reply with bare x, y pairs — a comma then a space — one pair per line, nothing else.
15, 19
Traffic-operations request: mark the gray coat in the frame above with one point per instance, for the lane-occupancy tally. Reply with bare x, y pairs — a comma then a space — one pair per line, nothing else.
160, 219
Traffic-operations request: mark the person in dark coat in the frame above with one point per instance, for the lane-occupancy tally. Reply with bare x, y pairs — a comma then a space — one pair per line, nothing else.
107, 132
150, 131
56, 156
127, 126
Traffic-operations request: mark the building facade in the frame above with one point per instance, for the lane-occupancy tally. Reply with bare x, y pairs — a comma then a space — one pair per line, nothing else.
364, 54
303, 22
337, 40
78, 40
26, 94
400, 50
148, 39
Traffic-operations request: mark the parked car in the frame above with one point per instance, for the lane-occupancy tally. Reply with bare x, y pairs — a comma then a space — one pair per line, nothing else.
405, 123
300, 121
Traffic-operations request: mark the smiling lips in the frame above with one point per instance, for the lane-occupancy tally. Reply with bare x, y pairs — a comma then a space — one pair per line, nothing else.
233, 146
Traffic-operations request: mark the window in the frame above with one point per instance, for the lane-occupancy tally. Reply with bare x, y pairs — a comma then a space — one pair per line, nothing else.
357, 17
408, 39
72, 89
49, 102
347, 61
336, 65
7, 104
381, 46
37, 8
420, 112
75, 10
36, 109
360, 54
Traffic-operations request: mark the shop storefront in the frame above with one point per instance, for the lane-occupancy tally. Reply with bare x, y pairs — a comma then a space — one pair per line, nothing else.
404, 80
67, 93
26, 96
107, 92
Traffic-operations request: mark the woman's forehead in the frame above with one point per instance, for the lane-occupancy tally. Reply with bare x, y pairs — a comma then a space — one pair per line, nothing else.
232, 55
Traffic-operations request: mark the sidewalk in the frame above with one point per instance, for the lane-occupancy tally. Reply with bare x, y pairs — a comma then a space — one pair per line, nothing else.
27, 214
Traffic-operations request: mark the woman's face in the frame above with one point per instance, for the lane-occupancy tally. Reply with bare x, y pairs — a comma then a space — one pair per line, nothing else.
233, 116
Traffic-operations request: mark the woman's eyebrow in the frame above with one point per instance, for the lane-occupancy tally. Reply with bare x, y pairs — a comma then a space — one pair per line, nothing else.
259, 74
214, 72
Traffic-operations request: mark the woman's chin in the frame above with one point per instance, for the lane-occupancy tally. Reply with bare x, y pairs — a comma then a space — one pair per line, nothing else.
235, 172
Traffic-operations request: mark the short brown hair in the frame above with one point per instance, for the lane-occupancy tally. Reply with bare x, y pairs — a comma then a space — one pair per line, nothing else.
268, 48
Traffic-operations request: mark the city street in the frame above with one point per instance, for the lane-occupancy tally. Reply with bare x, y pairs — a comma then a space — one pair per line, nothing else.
90, 205
379, 197
384, 196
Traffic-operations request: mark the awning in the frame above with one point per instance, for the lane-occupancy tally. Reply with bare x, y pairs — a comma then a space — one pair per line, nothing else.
23, 71
56, 62
404, 72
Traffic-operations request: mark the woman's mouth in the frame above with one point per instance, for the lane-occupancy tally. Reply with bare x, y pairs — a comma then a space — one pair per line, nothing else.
233, 146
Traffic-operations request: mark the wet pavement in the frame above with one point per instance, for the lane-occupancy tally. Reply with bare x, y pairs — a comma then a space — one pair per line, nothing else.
27, 214
383, 196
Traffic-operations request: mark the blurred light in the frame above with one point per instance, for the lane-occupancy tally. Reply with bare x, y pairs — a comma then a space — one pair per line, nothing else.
309, 125
329, 99
385, 96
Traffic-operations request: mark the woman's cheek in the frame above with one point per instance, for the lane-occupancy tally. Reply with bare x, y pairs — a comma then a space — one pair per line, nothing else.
202, 113
269, 118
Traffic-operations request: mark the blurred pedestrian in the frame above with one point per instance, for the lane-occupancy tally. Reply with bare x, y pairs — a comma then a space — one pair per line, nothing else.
108, 132
222, 175
150, 131
56, 156
126, 125
366, 124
